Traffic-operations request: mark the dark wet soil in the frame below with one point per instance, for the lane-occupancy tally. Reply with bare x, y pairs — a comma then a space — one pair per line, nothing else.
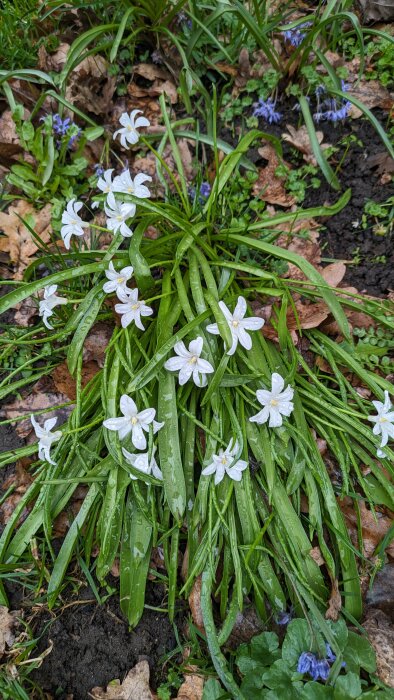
370, 256
92, 644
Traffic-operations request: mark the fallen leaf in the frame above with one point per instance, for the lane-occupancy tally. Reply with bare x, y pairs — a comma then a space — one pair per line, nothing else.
42, 396
96, 342
193, 686
151, 71
299, 138
19, 480
373, 530
8, 153
269, 186
334, 273
372, 94
334, 603
18, 241
316, 555
25, 311
247, 625
65, 519
243, 72
65, 383
8, 622
195, 604
380, 633
134, 687
90, 86
377, 10
54, 61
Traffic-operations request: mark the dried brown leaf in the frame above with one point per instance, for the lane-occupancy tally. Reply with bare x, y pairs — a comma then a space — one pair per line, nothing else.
134, 687
41, 397
151, 71
195, 604
380, 633
24, 312
20, 481
65, 383
372, 94
96, 342
269, 186
317, 556
8, 622
193, 686
17, 240
299, 138
334, 603
373, 530
334, 273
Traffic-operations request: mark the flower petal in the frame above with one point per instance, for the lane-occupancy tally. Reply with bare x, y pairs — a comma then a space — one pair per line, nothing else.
128, 406
277, 383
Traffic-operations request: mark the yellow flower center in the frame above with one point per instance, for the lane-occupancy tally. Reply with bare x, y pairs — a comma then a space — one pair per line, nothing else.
73, 222
224, 460
120, 280
274, 402
235, 323
193, 360
119, 218
135, 306
383, 419
134, 420
130, 189
130, 128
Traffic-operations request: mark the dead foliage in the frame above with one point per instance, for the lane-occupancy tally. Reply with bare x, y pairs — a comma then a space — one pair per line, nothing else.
134, 687
299, 139
334, 602
374, 527
380, 633
269, 186
65, 382
17, 240
41, 397
195, 604
193, 685
19, 481
8, 622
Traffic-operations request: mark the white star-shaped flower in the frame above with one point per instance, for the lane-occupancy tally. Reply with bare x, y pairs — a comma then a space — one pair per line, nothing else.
221, 464
105, 183
133, 422
117, 280
48, 303
124, 183
118, 213
384, 421
72, 222
131, 309
141, 462
46, 437
129, 133
238, 325
277, 403
189, 363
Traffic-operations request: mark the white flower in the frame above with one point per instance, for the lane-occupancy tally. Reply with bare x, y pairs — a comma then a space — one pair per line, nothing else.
238, 325
190, 363
384, 421
132, 309
142, 463
129, 133
133, 422
105, 183
117, 280
49, 302
277, 403
118, 213
45, 437
73, 224
124, 183
221, 464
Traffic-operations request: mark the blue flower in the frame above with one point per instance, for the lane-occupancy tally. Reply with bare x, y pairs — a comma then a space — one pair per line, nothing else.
205, 190
307, 663
266, 109
61, 128
284, 617
98, 170
295, 36
321, 670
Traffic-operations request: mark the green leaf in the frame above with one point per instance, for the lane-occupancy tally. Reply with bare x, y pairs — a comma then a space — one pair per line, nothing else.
347, 687
93, 132
260, 653
297, 640
213, 690
359, 652
280, 679
315, 691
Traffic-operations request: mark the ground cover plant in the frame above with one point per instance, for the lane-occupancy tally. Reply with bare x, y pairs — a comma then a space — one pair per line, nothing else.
225, 440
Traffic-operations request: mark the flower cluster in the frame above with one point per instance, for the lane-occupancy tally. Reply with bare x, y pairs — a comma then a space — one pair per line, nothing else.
46, 437
266, 109
295, 36
118, 211
63, 127
136, 422
384, 421
203, 193
48, 303
318, 669
331, 109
